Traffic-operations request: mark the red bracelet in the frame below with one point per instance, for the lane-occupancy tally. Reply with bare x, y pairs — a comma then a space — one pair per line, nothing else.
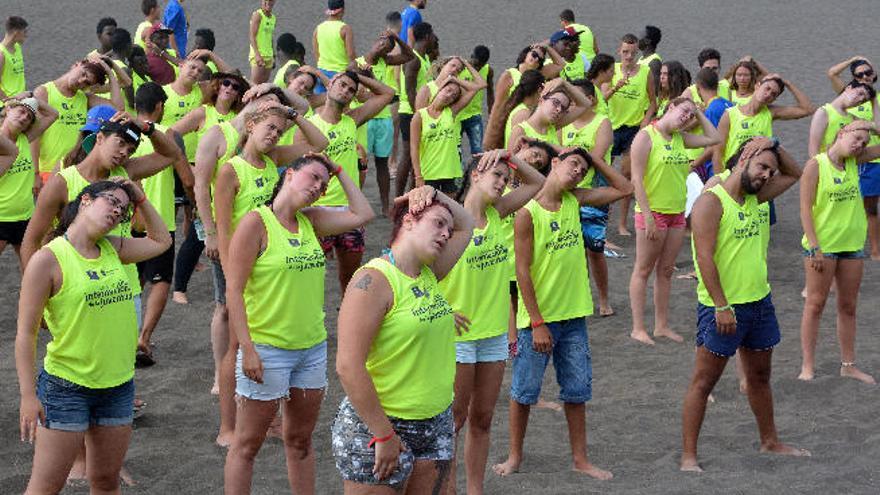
338, 169
536, 324
512, 165
375, 439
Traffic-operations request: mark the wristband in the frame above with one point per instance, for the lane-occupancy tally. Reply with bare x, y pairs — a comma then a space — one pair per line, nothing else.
512, 165
536, 324
724, 308
336, 171
375, 439
434, 197
151, 127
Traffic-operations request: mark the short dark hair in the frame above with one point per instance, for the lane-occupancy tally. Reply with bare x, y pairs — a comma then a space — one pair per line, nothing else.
600, 63
104, 22
207, 35
653, 34
148, 97
586, 87
16, 23
286, 44
579, 151
148, 5
299, 52
353, 76
707, 79
708, 54
393, 17
422, 30
481, 54
629, 39
136, 51
120, 41
566, 15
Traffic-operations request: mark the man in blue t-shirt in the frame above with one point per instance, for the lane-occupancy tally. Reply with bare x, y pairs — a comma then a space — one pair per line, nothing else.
410, 17
707, 86
175, 19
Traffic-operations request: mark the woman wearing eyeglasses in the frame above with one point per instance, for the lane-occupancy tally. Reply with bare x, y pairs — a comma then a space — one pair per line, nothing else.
78, 283
862, 70
560, 105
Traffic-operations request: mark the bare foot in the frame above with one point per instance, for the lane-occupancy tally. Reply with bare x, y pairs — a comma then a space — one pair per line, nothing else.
224, 439
875, 256
669, 334
642, 337
804, 293
852, 372
179, 297
692, 275
690, 464
126, 477
623, 232
510, 466
783, 449
807, 374
743, 387
589, 469
605, 310
548, 404
215, 389
611, 245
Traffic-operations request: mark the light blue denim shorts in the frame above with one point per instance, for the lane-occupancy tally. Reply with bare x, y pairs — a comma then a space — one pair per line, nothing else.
284, 369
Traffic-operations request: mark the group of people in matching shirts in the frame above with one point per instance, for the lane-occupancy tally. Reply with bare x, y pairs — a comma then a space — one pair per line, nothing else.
487, 261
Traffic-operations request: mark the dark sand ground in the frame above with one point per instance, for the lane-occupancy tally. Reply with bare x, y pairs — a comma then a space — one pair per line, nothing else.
634, 420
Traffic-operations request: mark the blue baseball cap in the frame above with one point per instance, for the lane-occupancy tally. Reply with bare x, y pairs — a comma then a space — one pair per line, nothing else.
568, 32
97, 116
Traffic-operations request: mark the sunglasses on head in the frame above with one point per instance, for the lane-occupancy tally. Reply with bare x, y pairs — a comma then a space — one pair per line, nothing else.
232, 84
867, 73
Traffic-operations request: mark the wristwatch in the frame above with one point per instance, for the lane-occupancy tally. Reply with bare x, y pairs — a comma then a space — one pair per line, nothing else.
291, 113
151, 127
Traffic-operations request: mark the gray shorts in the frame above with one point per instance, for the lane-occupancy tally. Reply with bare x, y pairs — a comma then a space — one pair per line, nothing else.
219, 282
425, 439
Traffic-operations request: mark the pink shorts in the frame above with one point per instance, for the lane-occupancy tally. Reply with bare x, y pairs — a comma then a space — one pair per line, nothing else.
663, 221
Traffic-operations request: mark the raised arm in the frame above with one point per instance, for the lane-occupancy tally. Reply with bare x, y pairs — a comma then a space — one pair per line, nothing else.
818, 124
708, 138
462, 227
530, 181
8, 154
333, 222
165, 152
380, 97
157, 240
310, 139
406, 52
788, 174
803, 107
46, 116
837, 83
617, 188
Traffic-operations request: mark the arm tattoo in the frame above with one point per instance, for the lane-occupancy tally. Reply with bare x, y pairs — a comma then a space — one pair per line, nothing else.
364, 282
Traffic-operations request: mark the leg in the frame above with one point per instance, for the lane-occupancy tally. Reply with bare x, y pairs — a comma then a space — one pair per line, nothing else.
347, 263
625, 202
219, 341
383, 180
404, 164
254, 416
300, 416
576, 417
598, 267
227, 389
707, 370
870, 203
352, 488
818, 285
155, 306
464, 384
849, 279
647, 253
429, 476
757, 367
54, 453
187, 257
105, 451
486, 387
663, 283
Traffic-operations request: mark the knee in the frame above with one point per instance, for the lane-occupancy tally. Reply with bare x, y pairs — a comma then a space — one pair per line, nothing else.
460, 417
298, 442
758, 377
480, 421
814, 305
665, 271
245, 449
703, 385
871, 207
846, 307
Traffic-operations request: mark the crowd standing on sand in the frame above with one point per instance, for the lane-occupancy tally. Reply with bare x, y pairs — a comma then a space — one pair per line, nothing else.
490, 253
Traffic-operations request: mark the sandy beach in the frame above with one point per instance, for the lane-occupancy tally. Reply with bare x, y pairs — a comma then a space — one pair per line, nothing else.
634, 419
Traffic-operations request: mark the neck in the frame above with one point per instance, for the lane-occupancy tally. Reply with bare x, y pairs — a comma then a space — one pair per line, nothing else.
552, 191
223, 106
331, 111
420, 48
251, 154
8, 40
835, 154
476, 203
153, 18
406, 261
586, 117
337, 17
92, 169
285, 207
733, 186
707, 94
627, 66
81, 239
838, 105
181, 84
753, 106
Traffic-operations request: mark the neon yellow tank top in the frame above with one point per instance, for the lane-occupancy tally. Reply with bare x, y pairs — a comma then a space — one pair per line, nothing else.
255, 186
438, 147
159, 188
421, 80
343, 151
551, 136
743, 128
176, 106
838, 211
559, 264
265, 35
478, 285
515, 77
475, 107
384, 76
12, 78
586, 39
16, 185
331, 46
292, 264
214, 117
740, 250
279, 74
628, 105
601, 103
412, 358
738, 100
62, 135
666, 173
865, 111
585, 137
650, 58
75, 184
836, 122
508, 128
139, 32
91, 319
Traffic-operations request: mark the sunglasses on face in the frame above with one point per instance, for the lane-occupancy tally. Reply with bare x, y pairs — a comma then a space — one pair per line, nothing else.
232, 84
867, 73
538, 55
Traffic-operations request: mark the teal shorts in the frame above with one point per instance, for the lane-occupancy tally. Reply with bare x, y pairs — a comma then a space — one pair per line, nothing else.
380, 137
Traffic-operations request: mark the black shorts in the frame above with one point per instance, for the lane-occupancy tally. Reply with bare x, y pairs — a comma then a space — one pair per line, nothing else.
623, 138
160, 268
514, 290
446, 186
180, 197
404, 122
13, 232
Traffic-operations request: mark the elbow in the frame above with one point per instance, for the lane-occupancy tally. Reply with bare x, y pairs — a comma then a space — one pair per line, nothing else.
188, 181
627, 189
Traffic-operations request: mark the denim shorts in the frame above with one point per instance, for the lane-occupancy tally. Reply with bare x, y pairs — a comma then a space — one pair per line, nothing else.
380, 137
488, 350
593, 227
319, 85
623, 138
843, 255
571, 358
473, 128
869, 179
284, 369
756, 328
425, 439
72, 407
219, 282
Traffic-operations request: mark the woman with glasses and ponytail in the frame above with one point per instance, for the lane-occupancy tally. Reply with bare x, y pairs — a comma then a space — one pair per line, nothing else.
78, 284
283, 341
560, 105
